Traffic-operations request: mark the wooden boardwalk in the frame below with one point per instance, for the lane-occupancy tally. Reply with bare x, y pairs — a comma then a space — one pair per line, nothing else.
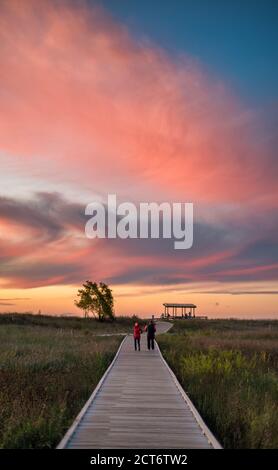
139, 404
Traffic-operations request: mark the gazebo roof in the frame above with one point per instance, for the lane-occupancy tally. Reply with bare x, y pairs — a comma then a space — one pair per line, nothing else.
180, 305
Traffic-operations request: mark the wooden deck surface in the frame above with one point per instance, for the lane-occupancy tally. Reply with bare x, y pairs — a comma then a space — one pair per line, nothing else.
138, 405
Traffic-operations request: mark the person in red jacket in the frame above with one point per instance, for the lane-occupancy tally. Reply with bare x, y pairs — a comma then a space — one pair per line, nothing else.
137, 336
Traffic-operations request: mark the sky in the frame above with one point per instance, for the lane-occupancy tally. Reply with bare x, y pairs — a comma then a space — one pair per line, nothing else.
151, 101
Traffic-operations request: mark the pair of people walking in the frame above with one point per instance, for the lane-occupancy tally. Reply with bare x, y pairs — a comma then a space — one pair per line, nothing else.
150, 330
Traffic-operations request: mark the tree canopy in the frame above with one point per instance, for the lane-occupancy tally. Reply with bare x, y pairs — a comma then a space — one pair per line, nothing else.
97, 299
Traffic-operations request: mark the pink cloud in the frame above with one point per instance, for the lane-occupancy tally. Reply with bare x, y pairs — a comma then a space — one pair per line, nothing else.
42, 243
83, 101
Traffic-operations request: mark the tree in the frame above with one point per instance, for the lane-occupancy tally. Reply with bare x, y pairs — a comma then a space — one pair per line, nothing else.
96, 299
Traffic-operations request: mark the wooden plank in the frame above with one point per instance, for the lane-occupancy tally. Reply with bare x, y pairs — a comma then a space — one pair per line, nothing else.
139, 404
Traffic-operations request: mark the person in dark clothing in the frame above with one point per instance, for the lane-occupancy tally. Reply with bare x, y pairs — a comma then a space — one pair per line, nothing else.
137, 335
151, 335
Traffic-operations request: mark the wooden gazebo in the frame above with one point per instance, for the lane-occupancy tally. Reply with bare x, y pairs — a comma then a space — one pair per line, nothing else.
179, 310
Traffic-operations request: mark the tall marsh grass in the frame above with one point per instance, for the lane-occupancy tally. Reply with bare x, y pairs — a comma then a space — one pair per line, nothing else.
46, 375
231, 375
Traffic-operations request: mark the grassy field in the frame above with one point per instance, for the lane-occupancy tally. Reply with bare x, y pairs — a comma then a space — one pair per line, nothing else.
90, 325
49, 366
229, 368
